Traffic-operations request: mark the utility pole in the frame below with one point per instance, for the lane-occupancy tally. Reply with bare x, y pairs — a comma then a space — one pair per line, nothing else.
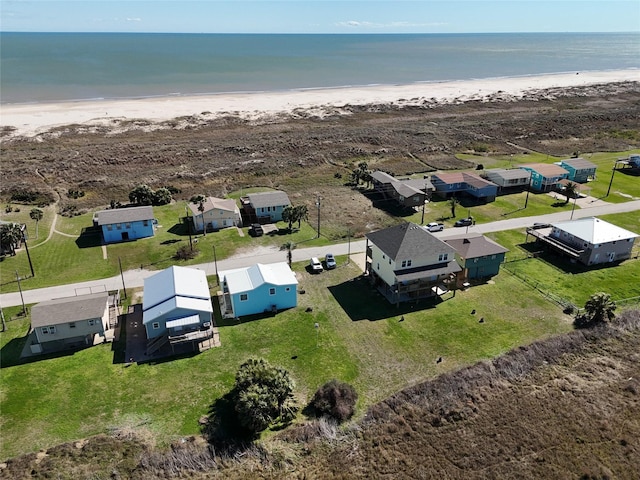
318, 198
186, 208
526, 200
122, 276
613, 172
424, 202
215, 261
348, 244
26, 247
575, 199
24, 309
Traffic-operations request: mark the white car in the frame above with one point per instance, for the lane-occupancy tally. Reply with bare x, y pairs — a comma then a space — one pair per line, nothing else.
435, 227
315, 264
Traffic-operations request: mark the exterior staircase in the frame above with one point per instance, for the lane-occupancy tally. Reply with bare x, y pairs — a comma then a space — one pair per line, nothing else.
156, 344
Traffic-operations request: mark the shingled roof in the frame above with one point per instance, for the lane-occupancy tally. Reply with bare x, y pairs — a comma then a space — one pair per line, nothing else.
123, 215
70, 309
475, 246
407, 240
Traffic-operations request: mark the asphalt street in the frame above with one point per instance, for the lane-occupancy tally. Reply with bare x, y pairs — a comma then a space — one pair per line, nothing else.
135, 278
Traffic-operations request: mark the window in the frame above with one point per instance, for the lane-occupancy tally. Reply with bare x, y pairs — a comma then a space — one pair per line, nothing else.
406, 263
92, 321
378, 266
272, 291
287, 289
443, 257
145, 223
72, 324
45, 330
109, 227
493, 257
156, 325
383, 257
127, 225
244, 297
118, 226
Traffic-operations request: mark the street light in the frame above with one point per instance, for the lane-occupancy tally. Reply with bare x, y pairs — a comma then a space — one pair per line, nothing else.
318, 198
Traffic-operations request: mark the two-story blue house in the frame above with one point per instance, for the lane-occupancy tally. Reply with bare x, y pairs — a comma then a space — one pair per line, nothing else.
259, 288
580, 170
176, 307
122, 224
545, 176
450, 184
264, 207
479, 256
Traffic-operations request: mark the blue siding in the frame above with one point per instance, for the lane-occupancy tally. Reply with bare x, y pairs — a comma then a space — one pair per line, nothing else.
172, 315
260, 300
119, 232
580, 175
483, 266
274, 213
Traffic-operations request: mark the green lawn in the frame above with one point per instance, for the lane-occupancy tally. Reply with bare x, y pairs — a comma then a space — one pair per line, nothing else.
360, 340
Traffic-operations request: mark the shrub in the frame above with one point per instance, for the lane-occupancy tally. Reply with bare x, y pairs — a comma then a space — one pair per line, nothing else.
335, 399
186, 253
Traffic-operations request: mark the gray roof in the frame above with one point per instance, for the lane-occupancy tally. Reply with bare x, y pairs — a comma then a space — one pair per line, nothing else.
509, 174
122, 215
70, 309
268, 199
405, 190
407, 240
474, 246
418, 183
382, 177
579, 163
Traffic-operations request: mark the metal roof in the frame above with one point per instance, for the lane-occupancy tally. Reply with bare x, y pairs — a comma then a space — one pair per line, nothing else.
268, 199
175, 282
214, 203
475, 245
510, 173
546, 169
122, 215
579, 163
594, 230
407, 240
249, 278
70, 309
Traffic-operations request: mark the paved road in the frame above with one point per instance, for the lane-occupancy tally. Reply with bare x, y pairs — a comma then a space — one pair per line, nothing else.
135, 278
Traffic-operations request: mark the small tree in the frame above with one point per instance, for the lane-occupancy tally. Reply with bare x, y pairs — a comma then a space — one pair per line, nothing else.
201, 210
141, 195
263, 395
288, 246
453, 202
289, 215
600, 308
302, 213
36, 214
10, 237
570, 191
336, 399
162, 196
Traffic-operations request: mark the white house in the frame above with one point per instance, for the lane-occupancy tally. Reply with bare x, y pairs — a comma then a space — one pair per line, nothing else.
257, 289
592, 240
176, 307
215, 213
406, 262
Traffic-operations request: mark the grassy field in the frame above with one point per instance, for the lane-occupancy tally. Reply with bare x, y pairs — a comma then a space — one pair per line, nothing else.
360, 340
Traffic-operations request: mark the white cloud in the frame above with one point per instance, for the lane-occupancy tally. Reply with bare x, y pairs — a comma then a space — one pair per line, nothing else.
134, 19
363, 24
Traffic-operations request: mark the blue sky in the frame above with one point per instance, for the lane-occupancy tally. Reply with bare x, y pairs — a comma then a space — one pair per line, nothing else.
320, 16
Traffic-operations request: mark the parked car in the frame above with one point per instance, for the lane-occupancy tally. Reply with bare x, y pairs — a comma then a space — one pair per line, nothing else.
435, 227
316, 266
255, 230
464, 222
330, 261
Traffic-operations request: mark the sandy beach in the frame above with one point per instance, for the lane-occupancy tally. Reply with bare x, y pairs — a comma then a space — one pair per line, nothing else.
33, 119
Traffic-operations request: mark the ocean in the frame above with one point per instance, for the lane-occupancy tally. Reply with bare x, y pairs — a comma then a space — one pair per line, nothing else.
50, 67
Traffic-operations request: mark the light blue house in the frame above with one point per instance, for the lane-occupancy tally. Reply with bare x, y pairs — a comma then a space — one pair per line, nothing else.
545, 177
265, 207
123, 224
176, 306
258, 289
580, 170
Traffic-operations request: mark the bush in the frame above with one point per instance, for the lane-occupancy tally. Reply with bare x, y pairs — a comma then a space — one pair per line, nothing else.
186, 253
335, 399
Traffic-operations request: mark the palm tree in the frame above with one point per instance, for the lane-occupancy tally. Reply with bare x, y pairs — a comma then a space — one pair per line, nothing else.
453, 201
289, 215
10, 237
302, 213
600, 308
288, 246
570, 191
201, 210
36, 214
